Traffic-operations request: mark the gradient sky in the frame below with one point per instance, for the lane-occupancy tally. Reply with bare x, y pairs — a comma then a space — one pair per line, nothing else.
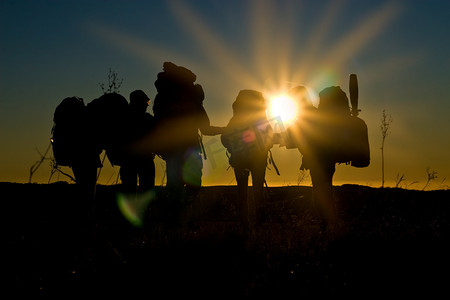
50, 50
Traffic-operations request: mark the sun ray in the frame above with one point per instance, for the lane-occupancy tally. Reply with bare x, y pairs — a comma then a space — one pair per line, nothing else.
392, 66
216, 50
313, 46
284, 46
353, 42
272, 42
259, 16
362, 35
148, 52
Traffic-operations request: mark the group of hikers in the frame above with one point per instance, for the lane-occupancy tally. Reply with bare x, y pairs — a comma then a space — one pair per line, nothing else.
131, 137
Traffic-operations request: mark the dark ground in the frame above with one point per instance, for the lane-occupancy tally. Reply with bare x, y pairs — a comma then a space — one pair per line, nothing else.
396, 244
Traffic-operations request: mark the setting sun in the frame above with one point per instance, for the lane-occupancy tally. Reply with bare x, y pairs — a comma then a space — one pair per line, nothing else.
284, 107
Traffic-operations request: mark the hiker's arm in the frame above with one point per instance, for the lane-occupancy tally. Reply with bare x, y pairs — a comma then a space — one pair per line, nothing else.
291, 138
212, 130
205, 126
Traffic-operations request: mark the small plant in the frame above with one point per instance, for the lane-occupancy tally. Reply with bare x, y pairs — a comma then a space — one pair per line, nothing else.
399, 180
302, 176
55, 168
432, 175
386, 121
114, 83
443, 185
38, 163
411, 184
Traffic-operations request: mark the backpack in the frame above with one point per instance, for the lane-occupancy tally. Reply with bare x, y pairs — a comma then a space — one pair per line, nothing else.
247, 136
108, 114
177, 94
67, 131
341, 136
178, 104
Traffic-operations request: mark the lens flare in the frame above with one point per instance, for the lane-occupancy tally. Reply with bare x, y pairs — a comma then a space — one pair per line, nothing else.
133, 206
284, 107
192, 167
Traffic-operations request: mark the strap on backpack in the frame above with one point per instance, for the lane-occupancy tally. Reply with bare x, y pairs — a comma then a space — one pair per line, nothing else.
228, 154
271, 161
200, 140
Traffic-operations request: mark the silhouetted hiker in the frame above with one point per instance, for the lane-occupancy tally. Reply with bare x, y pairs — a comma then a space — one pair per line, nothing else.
74, 144
181, 120
248, 138
137, 165
325, 136
311, 135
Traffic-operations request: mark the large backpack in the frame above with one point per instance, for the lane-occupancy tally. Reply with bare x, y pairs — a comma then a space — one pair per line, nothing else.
247, 136
177, 92
68, 130
108, 114
341, 136
178, 109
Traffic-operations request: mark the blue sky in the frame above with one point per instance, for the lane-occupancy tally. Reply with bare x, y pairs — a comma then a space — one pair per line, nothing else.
53, 49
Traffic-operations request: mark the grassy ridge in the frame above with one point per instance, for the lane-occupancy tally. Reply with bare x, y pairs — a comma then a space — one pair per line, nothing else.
395, 243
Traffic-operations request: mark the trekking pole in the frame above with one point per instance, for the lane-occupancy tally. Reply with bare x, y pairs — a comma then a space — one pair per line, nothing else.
353, 89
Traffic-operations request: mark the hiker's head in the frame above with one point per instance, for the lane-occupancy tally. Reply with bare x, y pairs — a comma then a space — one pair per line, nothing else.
299, 94
139, 100
249, 101
301, 97
333, 99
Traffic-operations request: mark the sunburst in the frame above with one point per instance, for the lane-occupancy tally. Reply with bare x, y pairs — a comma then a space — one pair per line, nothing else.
281, 51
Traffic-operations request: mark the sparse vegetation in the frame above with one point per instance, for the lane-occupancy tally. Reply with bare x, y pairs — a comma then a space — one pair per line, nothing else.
302, 177
39, 162
386, 121
399, 180
114, 83
55, 168
395, 234
443, 185
431, 175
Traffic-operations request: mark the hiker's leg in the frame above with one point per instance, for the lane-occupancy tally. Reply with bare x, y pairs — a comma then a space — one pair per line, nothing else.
128, 176
174, 163
192, 167
146, 172
258, 177
192, 178
322, 177
85, 222
242, 185
86, 180
174, 189
192, 172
